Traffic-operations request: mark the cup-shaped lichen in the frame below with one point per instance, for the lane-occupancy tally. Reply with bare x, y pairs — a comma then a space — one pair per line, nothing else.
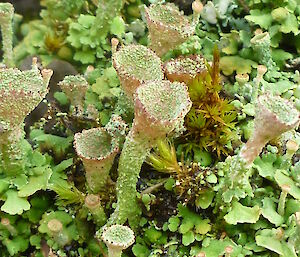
6, 16
274, 116
93, 203
75, 88
261, 44
97, 150
20, 93
185, 68
160, 107
136, 64
168, 27
117, 238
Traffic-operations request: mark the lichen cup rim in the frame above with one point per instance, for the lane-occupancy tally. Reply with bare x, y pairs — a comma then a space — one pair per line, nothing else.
265, 99
122, 69
185, 26
146, 105
78, 137
120, 243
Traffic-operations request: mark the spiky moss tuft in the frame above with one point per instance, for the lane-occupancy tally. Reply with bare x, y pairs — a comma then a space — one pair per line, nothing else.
168, 27
274, 116
6, 16
136, 64
185, 68
75, 88
97, 149
117, 238
160, 107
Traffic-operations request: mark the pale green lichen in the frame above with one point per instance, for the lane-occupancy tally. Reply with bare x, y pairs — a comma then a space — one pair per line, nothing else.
97, 150
6, 16
75, 88
168, 27
136, 64
160, 107
93, 203
185, 68
117, 238
261, 44
274, 116
20, 93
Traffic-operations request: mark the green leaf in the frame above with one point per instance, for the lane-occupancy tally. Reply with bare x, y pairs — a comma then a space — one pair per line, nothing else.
36, 183
188, 238
290, 24
15, 204
15, 245
265, 165
242, 214
140, 250
282, 179
229, 64
202, 227
269, 212
263, 18
204, 199
85, 57
63, 165
117, 26
173, 224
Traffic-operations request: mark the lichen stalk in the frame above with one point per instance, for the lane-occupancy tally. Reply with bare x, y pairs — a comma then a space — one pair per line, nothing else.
56, 229
281, 204
160, 107
93, 203
20, 93
6, 17
135, 150
274, 116
97, 150
185, 68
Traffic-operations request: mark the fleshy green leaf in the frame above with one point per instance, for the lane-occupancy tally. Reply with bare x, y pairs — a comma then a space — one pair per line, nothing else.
188, 238
263, 18
242, 214
36, 183
15, 204
269, 212
282, 179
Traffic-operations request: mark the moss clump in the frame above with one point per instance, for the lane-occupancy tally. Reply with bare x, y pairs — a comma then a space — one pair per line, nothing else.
210, 122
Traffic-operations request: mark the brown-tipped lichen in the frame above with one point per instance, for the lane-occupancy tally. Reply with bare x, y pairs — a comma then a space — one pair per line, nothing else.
160, 107
136, 64
185, 68
168, 27
274, 116
75, 88
97, 150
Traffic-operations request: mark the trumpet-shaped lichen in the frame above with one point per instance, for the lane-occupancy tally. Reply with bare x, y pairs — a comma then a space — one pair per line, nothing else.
97, 149
160, 107
168, 27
